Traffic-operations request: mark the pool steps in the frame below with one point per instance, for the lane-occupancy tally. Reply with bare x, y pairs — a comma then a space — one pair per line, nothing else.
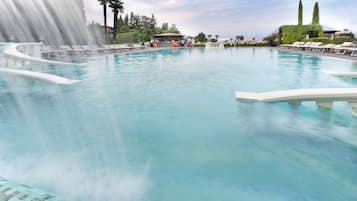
11, 191
324, 97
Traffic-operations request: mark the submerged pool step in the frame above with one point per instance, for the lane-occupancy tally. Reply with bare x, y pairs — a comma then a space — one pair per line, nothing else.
352, 75
11, 191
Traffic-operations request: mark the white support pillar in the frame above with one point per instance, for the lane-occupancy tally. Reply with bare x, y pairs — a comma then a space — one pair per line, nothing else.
354, 108
36, 51
6, 61
325, 104
295, 102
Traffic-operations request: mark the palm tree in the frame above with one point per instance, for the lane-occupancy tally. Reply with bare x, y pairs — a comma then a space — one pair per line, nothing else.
104, 4
239, 38
117, 7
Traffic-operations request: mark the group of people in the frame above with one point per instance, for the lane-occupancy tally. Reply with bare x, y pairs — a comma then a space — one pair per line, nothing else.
174, 44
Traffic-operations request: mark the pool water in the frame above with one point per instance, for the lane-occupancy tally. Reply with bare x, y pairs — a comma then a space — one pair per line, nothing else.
165, 126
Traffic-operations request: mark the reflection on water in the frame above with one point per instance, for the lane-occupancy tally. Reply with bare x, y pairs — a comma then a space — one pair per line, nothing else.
165, 126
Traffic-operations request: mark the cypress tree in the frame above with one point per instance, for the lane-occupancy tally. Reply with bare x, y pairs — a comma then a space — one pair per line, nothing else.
316, 15
126, 20
300, 22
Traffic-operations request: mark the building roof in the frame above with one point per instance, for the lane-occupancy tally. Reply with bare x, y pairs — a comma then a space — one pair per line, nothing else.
330, 31
168, 35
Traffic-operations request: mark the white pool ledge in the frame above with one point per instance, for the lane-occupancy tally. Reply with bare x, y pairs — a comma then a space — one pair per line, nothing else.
324, 97
44, 77
12, 52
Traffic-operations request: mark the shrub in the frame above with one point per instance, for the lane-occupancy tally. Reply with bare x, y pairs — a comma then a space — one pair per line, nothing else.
201, 37
291, 33
199, 45
126, 38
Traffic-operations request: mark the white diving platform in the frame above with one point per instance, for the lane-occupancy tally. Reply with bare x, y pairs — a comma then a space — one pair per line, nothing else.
324, 97
12, 52
44, 77
23, 53
352, 75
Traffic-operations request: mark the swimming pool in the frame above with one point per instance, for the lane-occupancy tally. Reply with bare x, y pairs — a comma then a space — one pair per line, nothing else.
165, 125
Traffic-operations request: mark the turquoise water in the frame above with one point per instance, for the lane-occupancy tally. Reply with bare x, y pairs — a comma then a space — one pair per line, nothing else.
165, 126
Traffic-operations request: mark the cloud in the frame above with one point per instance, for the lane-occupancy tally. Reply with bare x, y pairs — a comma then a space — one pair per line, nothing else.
230, 17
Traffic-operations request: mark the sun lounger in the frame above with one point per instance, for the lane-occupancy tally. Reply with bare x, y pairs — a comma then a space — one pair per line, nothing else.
138, 46
298, 44
354, 52
313, 46
347, 44
327, 48
341, 51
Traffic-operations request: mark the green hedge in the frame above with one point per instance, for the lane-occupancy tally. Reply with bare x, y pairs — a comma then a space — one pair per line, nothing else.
199, 45
126, 37
292, 33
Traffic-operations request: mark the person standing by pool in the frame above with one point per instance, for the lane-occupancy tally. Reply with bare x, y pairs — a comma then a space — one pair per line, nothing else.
174, 44
155, 44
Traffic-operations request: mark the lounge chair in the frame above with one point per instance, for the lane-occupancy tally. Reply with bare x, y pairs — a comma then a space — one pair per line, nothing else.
347, 44
45, 48
354, 52
327, 48
341, 51
298, 45
314, 46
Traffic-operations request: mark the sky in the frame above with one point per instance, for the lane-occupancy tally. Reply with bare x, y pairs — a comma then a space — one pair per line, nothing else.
227, 18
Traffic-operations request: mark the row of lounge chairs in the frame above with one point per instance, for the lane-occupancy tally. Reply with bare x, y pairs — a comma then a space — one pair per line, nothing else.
85, 50
347, 48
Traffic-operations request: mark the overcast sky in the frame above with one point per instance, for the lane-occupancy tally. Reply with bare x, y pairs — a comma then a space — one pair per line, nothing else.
232, 17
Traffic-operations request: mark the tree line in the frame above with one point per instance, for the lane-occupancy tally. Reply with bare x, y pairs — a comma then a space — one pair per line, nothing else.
202, 37
143, 27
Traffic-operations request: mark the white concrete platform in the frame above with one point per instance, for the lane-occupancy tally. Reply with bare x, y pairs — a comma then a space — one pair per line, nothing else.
327, 94
44, 77
12, 52
342, 74
324, 97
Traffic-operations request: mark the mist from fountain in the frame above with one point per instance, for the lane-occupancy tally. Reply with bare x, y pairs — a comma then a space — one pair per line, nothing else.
82, 160
54, 22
